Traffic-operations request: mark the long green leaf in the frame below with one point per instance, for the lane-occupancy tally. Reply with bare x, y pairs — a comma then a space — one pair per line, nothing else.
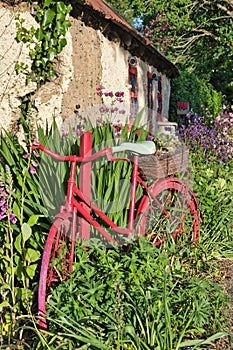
6, 154
199, 342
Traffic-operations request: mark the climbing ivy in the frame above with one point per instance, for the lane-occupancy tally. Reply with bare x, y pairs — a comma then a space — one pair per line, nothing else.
45, 42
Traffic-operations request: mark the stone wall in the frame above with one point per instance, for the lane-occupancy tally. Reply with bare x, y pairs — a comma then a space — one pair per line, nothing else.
89, 59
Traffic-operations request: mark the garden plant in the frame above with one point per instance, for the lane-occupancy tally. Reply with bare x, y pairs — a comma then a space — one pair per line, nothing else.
134, 296
131, 297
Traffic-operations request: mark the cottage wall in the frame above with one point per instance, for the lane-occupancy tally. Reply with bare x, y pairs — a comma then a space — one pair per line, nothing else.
90, 59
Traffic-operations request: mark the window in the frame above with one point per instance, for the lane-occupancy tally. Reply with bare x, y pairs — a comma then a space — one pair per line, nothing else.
133, 82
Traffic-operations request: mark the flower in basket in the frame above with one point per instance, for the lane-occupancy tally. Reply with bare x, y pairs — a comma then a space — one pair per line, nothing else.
166, 143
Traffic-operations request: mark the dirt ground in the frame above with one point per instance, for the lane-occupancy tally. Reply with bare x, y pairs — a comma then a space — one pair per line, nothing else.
226, 281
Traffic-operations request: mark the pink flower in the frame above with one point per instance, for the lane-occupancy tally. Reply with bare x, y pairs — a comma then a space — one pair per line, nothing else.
122, 111
3, 193
114, 109
2, 216
35, 164
26, 155
36, 154
99, 120
32, 170
100, 87
13, 218
104, 109
2, 201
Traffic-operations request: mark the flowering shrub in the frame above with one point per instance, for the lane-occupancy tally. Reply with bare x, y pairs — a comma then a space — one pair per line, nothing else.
159, 31
224, 122
211, 145
212, 139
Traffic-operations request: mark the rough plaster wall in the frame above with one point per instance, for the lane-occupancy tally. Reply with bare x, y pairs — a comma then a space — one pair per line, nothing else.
48, 99
86, 61
12, 86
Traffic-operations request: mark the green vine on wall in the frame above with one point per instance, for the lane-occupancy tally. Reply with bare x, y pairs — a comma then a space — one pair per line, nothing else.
45, 42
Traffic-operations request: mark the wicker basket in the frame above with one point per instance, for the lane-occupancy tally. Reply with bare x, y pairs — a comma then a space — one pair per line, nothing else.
162, 164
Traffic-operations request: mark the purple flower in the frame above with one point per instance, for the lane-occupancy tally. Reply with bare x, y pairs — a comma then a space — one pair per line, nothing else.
214, 141
2, 216
13, 218
32, 170
2, 201
119, 94
114, 109
149, 137
3, 208
99, 120
110, 94
3, 212
100, 87
104, 109
26, 155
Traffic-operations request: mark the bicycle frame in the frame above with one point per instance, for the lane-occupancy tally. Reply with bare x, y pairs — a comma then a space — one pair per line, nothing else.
82, 205
78, 205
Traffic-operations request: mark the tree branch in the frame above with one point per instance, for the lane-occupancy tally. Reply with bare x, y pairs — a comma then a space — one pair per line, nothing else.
187, 43
225, 9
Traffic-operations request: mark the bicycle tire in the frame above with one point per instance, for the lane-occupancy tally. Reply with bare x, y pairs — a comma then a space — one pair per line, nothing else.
170, 210
54, 264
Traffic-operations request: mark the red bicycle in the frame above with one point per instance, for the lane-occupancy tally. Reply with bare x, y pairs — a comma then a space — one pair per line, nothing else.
167, 203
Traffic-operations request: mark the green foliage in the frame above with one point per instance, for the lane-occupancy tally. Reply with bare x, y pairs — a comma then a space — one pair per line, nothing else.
198, 92
21, 239
124, 8
136, 297
199, 34
34, 197
111, 184
213, 185
45, 42
130, 297
210, 144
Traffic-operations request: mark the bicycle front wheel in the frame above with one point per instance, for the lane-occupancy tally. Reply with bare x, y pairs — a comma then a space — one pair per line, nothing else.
55, 265
171, 209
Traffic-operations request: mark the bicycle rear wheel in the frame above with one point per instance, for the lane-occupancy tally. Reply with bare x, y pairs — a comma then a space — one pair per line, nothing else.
56, 263
170, 210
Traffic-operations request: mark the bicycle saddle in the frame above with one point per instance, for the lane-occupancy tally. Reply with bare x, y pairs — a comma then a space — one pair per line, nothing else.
143, 147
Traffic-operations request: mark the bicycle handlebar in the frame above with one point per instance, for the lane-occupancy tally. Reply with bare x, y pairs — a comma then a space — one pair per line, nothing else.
73, 158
